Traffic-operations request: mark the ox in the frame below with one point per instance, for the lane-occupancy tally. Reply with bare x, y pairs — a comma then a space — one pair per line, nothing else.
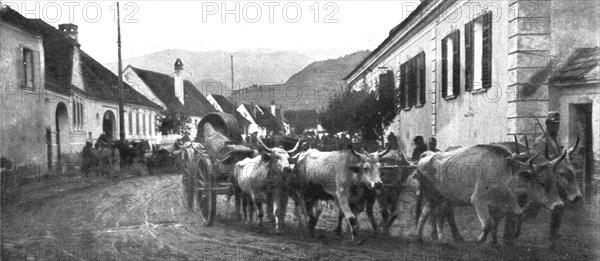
332, 175
484, 176
568, 189
262, 176
363, 199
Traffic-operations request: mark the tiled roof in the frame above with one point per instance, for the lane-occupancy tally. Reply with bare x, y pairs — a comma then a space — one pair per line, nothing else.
228, 107
163, 86
10, 16
261, 118
100, 83
579, 66
224, 103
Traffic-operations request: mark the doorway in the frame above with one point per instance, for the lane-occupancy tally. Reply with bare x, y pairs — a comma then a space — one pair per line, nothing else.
62, 123
581, 124
109, 124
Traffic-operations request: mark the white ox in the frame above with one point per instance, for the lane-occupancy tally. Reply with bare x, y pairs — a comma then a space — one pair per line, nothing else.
259, 177
487, 177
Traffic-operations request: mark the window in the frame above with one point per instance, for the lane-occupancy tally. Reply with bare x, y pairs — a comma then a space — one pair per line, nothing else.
451, 65
412, 82
478, 53
130, 122
137, 122
77, 115
28, 69
144, 124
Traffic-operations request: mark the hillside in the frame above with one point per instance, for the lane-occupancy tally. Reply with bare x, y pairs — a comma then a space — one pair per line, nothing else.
309, 88
207, 69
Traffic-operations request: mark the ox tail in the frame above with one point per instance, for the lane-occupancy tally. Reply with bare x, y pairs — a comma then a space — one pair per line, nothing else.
419, 203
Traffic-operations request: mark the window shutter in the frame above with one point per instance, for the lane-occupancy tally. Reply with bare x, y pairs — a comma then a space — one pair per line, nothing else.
20, 67
444, 68
486, 67
423, 96
402, 88
37, 71
469, 56
411, 83
456, 63
74, 114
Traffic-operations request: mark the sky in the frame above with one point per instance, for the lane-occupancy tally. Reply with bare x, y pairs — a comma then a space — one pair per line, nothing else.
151, 26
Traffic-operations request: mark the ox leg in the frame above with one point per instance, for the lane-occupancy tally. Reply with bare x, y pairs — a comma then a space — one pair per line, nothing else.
369, 210
270, 206
344, 204
312, 217
483, 214
338, 229
299, 209
433, 221
424, 216
452, 223
279, 207
555, 221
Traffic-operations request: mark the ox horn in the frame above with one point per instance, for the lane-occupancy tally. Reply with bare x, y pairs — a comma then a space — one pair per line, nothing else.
572, 149
558, 160
546, 152
516, 145
262, 145
530, 161
353, 151
295, 148
381, 154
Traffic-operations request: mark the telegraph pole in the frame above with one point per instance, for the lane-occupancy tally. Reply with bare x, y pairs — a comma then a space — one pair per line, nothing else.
232, 82
121, 109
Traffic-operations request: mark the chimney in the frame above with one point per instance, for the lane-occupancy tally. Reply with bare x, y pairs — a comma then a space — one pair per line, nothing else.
70, 30
273, 109
178, 80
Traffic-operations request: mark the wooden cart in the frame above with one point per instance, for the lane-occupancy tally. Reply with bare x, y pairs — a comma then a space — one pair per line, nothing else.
208, 163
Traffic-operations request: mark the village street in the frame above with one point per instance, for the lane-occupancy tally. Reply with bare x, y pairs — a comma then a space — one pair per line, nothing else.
142, 218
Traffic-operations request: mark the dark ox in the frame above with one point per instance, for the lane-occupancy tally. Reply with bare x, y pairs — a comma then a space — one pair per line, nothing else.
331, 175
260, 177
393, 173
562, 168
486, 176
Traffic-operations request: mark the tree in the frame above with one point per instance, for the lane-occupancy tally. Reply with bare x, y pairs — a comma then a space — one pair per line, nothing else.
302, 119
173, 122
364, 112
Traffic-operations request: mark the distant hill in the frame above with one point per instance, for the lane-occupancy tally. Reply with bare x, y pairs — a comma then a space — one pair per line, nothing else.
211, 71
309, 88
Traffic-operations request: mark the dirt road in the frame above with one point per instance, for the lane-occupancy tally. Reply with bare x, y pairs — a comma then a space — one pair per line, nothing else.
143, 218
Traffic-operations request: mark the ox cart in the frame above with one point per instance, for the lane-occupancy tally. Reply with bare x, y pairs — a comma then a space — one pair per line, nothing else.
209, 161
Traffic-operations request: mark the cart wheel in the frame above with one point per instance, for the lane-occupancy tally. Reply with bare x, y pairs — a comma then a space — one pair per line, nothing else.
205, 197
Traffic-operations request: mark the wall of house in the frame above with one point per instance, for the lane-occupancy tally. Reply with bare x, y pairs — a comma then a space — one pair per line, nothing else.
465, 120
474, 117
22, 121
575, 24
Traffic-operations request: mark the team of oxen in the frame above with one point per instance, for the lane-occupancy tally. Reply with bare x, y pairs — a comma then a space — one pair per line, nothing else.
500, 180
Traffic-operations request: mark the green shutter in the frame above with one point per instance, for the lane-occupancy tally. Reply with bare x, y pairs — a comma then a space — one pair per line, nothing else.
456, 63
422, 80
444, 68
37, 71
402, 88
469, 56
486, 66
20, 66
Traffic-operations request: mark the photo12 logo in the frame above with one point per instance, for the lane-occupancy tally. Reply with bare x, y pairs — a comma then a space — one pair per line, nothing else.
68, 12
253, 12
